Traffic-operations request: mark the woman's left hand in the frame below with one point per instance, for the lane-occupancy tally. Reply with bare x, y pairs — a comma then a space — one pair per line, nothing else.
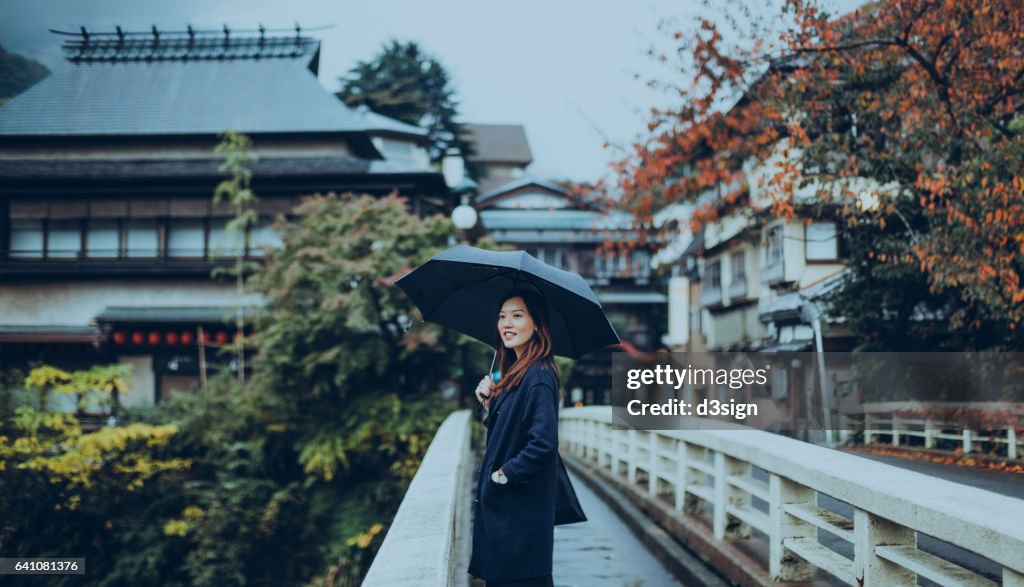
483, 391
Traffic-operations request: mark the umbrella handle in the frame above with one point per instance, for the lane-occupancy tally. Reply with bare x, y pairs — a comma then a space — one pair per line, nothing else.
490, 372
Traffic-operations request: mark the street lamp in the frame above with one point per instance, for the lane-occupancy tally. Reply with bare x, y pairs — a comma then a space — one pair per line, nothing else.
464, 218
464, 215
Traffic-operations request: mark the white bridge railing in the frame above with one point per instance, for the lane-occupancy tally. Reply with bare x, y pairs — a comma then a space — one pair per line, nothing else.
421, 548
699, 469
899, 422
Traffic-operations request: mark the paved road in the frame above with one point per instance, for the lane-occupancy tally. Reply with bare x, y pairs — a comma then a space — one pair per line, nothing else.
602, 551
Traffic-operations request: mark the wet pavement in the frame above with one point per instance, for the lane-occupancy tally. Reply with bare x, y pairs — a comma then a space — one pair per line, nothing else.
602, 552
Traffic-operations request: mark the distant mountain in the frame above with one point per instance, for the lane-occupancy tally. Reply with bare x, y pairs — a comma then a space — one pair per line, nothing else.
18, 74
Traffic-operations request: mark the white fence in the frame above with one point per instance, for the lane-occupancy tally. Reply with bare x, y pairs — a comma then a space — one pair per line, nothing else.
715, 468
421, 547
881, 419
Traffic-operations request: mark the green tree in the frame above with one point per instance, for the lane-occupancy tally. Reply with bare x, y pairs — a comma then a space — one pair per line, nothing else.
236, 190
290, 478
909, 106
65, 488
405, 83
338, 340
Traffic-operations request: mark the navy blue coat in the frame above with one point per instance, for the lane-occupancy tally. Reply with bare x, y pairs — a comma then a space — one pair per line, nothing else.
513, 525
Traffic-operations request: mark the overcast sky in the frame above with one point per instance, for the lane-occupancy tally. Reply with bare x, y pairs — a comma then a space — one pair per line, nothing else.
562, 68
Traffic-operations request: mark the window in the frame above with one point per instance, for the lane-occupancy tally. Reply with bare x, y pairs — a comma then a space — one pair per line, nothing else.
711, 283
572, 261
641, 262
773, 246
738, 269
103, 239
713, 275
399, 150
821, 242
27, 239
261, 237
143, 238
106, 229
222, 242
605, 263
186, 237
738, 264
587, 262
64, 239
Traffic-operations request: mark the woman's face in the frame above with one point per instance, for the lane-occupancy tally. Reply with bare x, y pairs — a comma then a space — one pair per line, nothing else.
515, 325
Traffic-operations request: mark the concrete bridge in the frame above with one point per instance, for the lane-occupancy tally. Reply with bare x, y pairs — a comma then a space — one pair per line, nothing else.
719, 507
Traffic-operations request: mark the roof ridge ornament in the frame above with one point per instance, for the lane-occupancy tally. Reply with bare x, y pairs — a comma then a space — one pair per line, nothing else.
119, 45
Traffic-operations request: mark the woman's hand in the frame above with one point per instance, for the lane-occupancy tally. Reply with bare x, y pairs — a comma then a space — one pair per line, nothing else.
483, 391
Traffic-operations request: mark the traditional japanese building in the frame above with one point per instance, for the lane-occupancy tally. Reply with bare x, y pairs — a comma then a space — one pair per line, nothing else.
108, 233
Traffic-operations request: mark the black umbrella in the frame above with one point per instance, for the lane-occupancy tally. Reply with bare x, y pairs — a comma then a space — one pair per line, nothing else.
462, 288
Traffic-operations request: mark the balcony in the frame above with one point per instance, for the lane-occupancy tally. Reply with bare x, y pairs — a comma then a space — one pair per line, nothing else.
737, 290
711, 297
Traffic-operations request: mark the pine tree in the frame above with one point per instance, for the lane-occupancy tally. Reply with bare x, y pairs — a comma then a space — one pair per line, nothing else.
405, 83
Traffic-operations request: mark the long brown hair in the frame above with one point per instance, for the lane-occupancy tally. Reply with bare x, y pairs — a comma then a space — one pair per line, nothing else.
538, 348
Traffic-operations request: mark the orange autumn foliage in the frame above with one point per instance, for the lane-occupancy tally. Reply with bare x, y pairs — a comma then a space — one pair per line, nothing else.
923, 97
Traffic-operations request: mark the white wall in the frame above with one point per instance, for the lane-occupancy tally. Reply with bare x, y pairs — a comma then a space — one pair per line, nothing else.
143, 385
678, 312
58, 304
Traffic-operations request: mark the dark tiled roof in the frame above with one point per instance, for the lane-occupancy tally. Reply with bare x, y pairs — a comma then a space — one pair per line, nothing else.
498, 143
489, 184
378, 123
560, 219
515, 184
170, 314
173, 91
192, 168
33, 333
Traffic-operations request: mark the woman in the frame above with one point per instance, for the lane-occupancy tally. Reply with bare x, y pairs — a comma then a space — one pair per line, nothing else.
513, 526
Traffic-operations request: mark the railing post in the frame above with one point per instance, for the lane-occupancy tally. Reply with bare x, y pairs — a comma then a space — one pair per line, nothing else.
929, 433
726, 495
967, 445
868, 432
606, 446
784, 565
844, 429
870, 531
616, 449
681, 475
575, 442
652, 473
1011, 443
590, 435
895, 431
631, 454
691, 503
